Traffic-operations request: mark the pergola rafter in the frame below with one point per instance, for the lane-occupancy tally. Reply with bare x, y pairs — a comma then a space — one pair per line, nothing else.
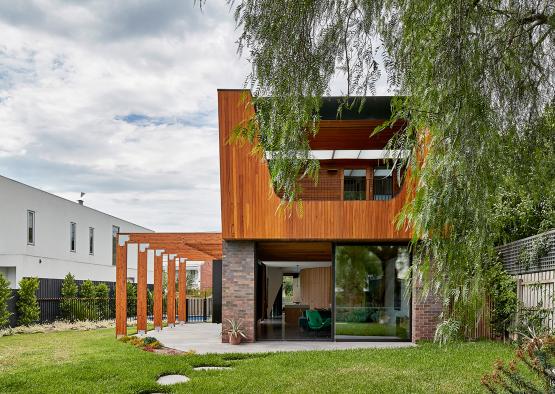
176, 249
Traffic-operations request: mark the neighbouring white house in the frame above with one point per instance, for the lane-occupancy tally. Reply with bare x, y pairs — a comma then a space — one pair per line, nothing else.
47, 236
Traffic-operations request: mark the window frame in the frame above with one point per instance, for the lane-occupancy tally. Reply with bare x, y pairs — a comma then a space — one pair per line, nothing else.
73, 237
31, 213
91, 241
114, 243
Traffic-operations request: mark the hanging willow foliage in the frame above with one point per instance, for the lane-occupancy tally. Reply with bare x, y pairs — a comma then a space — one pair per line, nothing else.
475, 77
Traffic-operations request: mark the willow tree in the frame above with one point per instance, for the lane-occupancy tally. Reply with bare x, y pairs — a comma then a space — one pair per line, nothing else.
476, 77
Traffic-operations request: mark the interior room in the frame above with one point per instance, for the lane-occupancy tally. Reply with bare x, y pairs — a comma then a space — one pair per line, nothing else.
294, 297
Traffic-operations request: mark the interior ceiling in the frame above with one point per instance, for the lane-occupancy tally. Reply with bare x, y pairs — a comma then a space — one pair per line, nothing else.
294, 264
294, 251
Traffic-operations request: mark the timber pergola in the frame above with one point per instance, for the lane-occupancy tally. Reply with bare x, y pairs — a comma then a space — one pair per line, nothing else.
173, 248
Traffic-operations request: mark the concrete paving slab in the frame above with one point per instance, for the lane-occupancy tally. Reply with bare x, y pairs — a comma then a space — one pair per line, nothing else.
203, 338
167, 380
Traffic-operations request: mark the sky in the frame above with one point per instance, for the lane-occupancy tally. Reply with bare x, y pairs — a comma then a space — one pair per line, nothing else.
118, 99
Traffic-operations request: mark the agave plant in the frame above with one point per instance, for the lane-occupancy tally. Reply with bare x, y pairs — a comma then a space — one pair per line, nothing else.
236, 328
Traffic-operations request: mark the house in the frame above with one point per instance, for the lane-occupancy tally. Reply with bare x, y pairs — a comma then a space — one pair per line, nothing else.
339, 271
46, 236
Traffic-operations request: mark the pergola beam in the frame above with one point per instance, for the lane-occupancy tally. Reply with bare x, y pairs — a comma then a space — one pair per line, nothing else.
182, 306
142, 289
158, 290
171, 290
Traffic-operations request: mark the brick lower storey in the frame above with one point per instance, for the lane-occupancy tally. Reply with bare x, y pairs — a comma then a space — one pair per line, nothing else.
238, 295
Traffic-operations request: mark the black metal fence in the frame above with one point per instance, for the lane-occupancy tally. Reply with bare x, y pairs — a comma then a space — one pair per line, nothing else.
94, 309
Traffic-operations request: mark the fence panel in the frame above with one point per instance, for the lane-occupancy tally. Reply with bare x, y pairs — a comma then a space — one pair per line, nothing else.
537, 290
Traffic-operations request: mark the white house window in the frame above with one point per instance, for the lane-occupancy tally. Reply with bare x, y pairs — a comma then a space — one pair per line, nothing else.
72, 236
30, 227
115, 231
193, 277
91, 240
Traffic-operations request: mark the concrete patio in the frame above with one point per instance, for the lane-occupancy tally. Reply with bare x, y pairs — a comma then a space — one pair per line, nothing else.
205, 338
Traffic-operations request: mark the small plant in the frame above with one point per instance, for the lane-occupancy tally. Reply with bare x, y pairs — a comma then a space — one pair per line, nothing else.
235, 331
537, 354
446, 331
148, 343
27, 304
5, 295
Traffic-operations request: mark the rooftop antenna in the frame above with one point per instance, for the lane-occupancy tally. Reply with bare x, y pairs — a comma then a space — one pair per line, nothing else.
81, 201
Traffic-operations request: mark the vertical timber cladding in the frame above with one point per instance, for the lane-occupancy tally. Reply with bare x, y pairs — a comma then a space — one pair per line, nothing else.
249, 214
238, 286
121, 286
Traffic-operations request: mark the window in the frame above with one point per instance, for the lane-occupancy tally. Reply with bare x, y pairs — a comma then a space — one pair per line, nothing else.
115, 231
72, 236
383, 184
354, 184
91, 240
30, 227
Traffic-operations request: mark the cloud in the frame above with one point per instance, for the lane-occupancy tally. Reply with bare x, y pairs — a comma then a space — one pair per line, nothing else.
118, 99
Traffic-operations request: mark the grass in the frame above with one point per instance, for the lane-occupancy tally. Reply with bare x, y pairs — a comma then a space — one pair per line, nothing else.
93, 361
369, 329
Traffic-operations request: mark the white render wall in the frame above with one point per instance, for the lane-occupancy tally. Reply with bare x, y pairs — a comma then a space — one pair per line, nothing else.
50, 256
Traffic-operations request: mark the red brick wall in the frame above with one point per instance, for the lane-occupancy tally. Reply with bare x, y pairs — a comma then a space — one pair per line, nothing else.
425, 314
206, 276
238, 282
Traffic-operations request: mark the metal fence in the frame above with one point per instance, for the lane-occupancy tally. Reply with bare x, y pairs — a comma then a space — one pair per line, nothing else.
94, 309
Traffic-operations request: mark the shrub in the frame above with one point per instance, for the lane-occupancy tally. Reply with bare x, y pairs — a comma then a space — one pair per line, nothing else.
102, 290
131, 299
87, 290
5, 295
69, 287
537, 355
502, 290
27, 305
69, 293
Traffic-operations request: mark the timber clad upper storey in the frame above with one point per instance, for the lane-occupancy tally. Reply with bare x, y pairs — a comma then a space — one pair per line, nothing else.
356, 199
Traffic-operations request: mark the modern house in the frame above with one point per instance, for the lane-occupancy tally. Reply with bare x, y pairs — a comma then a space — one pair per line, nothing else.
339, 271
46, 236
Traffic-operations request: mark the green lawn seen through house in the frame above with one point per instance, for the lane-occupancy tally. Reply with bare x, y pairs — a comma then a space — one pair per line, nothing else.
369, 329
93, 361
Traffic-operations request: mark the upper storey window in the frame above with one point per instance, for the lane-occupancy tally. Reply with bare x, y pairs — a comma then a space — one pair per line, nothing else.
30, 227
383, 184
354, 184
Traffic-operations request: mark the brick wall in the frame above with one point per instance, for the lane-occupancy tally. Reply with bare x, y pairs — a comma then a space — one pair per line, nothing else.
425, 314
238, 290
206, 275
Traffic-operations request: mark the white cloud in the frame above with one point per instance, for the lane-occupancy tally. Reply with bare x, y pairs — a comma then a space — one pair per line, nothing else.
118, 99
71, 70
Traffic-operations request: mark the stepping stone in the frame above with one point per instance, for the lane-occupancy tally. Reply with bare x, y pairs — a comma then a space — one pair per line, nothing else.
211, 368
167, 380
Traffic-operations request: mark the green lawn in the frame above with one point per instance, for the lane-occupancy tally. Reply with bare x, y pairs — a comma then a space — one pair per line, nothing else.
369, 329
94, 362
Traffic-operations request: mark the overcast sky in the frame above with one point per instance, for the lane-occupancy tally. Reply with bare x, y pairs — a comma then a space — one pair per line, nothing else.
118, 99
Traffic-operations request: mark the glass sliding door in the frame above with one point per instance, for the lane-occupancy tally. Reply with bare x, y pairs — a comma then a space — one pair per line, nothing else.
371, 297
